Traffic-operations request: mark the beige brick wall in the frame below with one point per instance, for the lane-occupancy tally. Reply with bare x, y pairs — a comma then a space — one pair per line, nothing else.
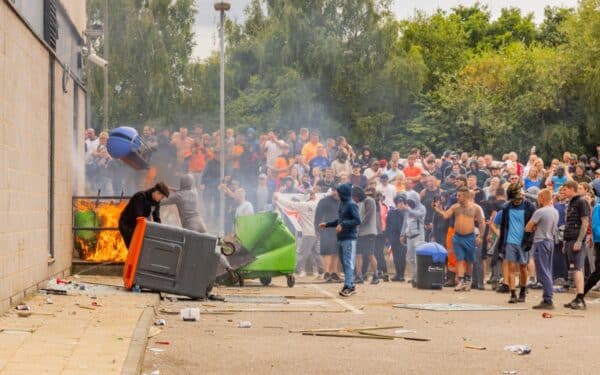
76, 11
24, 148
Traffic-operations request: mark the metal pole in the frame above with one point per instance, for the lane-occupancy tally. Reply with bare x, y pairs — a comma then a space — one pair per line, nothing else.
222, 123
106, 37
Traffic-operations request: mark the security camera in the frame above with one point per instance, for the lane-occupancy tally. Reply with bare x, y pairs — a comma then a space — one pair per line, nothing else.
97, 60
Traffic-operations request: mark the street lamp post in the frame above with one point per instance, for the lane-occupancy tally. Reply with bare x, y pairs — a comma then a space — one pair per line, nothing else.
222, 7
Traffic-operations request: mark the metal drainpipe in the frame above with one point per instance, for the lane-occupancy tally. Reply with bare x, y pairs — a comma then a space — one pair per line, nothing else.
51, 152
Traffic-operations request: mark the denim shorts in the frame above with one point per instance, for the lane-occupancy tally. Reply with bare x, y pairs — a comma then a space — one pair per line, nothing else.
515, 254
464, 247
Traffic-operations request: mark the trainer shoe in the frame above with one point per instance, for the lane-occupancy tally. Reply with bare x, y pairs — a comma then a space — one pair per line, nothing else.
335, 277
386, 277
522, 295
462, 287
398, 279
576, 304
503, 288
359, 279
374, 280
513, 299
544, 306
347, 292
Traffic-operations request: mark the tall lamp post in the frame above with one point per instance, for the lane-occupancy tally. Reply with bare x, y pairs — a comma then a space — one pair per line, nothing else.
222, 7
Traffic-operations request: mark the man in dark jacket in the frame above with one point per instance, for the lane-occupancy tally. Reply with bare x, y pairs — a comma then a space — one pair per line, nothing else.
327, 210
346, 227
142, 204
393, 230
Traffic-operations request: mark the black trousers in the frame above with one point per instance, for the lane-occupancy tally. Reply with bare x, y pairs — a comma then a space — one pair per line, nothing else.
399, 252
593, 279
379, 248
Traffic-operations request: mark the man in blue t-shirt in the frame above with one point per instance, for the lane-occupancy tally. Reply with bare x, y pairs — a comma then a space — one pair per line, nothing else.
514, 242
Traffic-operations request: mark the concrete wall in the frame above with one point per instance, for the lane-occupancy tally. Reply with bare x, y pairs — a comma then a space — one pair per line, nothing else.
24, 156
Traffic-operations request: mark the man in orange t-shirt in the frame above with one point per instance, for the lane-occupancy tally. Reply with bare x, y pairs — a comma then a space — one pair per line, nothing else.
309, 151
283, 164
237, 151
411, 171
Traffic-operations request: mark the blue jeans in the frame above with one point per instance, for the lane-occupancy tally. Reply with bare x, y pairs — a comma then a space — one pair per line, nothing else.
347, 253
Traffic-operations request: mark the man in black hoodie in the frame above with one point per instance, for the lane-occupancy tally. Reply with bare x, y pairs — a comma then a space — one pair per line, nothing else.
346, 227
326, 211
142, 204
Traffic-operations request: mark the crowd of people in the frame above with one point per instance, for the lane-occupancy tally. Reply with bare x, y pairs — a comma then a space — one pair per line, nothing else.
538, 218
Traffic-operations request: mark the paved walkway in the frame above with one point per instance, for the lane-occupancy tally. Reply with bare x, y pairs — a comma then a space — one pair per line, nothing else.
72, 336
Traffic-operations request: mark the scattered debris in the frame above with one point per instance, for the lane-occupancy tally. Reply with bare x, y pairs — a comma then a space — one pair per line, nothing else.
81, 287
547, 315
344, 335
23, 307
168, 312
404, 331
276, 311
160, 322
85, 307
236, 298
16, 330
163, 342
518, 349
62, 281
59, 292
155, 372
244, 324
49, 301
509, 372
475, 347
274, 327
96, 304
190, 314
455, 307
156, 350
153, 331
346, 329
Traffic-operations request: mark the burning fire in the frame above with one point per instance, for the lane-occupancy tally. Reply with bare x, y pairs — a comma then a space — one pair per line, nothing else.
102, 245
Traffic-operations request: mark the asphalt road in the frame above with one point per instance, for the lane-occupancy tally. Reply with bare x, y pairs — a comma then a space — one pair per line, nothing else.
215, 344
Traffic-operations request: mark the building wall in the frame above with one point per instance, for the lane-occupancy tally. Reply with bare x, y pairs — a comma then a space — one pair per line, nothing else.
24, 160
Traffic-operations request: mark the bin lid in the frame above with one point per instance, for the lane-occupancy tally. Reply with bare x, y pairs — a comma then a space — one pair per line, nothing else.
437, 252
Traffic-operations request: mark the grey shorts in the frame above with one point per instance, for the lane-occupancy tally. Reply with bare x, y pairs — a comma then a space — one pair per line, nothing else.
577, 258
515, 254
365, 245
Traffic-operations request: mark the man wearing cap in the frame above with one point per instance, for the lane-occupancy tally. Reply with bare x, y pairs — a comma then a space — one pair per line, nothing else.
142, 204
373, 172
495, 172
357, 178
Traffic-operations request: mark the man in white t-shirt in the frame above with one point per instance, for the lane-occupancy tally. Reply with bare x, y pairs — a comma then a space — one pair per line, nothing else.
373, 172
272, 148
388, 191
244, 208
91, 142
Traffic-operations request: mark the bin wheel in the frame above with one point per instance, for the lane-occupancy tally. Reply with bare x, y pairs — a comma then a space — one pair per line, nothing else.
291, 281
265, 281
240, 279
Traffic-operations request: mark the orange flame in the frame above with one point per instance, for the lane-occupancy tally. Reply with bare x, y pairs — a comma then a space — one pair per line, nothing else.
108, 244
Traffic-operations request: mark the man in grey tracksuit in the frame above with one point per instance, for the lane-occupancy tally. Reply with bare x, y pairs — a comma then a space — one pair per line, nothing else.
413, 232
367, 232
186, 200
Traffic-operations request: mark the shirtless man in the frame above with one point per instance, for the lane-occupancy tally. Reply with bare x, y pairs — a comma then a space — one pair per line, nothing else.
465, 213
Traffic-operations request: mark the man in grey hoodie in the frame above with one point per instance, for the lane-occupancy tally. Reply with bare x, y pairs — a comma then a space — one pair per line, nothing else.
367, 231
186, 200
413, 231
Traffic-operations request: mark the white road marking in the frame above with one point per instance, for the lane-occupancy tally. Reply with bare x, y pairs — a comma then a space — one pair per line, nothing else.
344, 304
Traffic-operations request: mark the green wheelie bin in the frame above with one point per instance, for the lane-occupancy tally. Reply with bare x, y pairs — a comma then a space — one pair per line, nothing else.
265, 236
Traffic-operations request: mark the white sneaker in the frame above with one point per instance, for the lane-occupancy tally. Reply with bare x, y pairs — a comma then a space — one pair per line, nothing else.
301, 274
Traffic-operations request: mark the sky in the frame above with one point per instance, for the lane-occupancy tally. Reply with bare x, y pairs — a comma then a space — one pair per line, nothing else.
205, 27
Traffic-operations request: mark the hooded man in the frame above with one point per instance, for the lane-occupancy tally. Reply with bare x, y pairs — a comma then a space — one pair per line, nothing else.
346, 227
186, 200
366, 233
413, 231
142, 204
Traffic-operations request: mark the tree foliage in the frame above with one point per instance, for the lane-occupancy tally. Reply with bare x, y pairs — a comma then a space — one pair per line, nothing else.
457, 79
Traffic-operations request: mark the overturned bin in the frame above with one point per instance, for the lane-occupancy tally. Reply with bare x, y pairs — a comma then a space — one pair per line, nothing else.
170, 259
268, 246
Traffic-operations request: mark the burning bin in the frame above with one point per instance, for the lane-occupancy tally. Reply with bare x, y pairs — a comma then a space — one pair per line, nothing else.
171, 259
431, 262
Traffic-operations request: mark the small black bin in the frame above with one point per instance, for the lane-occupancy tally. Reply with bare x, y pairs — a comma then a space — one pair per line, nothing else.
431, 262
